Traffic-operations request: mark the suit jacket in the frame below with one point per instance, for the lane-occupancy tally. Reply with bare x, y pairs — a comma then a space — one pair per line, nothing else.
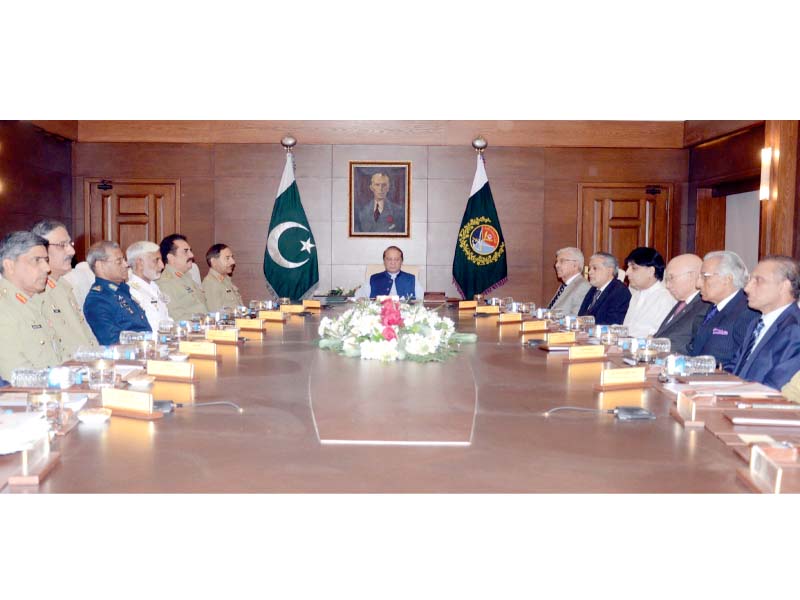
570, 300
777, 357
683, 328
725, 332
610, 307
391, 220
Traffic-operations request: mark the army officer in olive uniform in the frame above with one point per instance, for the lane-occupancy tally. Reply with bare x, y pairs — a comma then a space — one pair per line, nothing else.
109, 307
185, 296
71, 328
27, 336
218, 285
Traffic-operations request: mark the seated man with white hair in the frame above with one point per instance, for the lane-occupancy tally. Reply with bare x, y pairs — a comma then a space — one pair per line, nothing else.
145, 267
573, 289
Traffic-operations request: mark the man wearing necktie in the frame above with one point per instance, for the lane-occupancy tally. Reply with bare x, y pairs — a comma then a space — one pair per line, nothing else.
771, 352
573, 288
685, 318
608, 298
722, 276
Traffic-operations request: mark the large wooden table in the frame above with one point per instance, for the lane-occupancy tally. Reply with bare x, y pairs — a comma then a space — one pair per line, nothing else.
317, 422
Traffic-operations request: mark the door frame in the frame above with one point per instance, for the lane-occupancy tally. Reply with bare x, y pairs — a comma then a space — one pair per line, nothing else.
87, 199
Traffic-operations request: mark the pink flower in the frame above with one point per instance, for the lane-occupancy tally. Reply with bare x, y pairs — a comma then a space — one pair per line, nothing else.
389, 334
390, 313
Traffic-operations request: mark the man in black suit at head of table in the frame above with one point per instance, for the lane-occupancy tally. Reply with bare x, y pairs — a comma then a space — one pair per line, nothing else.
724, 328
685, 318
608, 298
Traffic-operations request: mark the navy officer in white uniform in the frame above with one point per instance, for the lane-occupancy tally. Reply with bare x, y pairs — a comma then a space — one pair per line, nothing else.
393, 281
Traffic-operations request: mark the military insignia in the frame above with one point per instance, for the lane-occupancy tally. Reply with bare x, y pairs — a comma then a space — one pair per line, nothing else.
21, 298
178, 274
480, 241
97, 288
36, 326
113, 287
57, 310
51, 284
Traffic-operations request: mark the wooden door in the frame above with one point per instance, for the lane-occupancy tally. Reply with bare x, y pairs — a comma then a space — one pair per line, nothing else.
618, 217
128, 210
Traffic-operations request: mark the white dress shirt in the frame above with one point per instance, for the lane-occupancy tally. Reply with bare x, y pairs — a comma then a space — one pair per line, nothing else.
648, 309
150, 297
365, 289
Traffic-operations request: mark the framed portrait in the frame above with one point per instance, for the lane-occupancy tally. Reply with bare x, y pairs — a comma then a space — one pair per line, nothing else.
380, 199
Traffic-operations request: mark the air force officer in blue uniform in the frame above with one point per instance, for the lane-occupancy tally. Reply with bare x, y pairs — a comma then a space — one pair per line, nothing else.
771, 350
393, 281
109, 307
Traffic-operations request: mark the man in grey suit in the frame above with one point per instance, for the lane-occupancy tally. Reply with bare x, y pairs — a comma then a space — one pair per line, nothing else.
381, 215
569, 268
682, 322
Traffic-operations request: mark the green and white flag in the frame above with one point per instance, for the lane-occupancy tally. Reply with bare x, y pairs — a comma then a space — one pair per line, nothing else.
290, 259
479, 264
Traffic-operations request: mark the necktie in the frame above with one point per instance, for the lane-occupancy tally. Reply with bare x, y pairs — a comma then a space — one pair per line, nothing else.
751, 344
377, 213
596, 297
678, 308
558, 295
710, 314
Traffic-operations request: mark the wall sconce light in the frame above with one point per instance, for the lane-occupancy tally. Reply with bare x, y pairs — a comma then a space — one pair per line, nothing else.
766, 167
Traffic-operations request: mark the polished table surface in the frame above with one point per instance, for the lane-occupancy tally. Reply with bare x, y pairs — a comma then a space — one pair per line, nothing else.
314, 421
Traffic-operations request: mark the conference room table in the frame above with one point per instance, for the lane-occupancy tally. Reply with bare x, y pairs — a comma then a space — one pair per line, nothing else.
314, 421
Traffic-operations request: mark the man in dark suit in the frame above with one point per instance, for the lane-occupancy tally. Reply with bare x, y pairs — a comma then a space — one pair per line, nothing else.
724, 328
771, 352
685, 318
608, 298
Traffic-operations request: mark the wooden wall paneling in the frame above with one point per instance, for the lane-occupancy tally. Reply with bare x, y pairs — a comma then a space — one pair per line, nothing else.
697, 132
733, 158
782, 137
709, 222
64, 129
610, 134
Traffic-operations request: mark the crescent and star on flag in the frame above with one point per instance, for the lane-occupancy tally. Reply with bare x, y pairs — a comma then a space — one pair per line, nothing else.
274, 240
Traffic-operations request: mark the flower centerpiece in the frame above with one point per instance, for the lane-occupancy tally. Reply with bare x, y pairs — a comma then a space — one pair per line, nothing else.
390, 330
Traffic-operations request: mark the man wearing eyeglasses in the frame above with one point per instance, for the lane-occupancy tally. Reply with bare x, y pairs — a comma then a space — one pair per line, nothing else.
771, 351
71, 328
722, 276
685, 318
109, 307
573, 288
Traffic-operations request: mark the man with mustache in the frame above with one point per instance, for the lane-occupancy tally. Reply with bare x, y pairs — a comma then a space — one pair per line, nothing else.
27, 336
185, 296
60, 303
218, 285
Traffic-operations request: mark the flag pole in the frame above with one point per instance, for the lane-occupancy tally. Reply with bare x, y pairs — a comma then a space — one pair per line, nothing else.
480, 144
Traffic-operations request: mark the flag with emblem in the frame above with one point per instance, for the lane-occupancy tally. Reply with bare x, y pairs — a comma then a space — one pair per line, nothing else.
479, 265
290, 259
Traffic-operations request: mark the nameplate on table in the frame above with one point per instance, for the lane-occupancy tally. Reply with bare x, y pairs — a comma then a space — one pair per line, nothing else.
272, 315
623, 376
170, 369
562, 337
127, 400
580, 352
771, 467
311, 304
223, 335
292, 309
467, 305
514, 317
250, 324
198, 348
535, 325
488, 310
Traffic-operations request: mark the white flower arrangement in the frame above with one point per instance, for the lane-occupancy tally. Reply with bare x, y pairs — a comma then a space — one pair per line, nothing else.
389, 331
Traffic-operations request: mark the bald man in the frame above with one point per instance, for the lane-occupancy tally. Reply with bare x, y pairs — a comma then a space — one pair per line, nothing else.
683, 321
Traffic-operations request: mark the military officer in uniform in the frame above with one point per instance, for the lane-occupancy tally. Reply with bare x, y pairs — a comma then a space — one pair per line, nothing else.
218, 285
59, 300
186, 297
146, 266
27, 336
109, 307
